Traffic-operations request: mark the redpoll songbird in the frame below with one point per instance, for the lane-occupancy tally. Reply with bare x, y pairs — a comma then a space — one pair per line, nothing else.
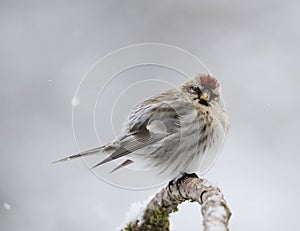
178, 131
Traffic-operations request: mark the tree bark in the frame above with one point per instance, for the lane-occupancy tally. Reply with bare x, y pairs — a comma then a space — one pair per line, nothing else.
215, 211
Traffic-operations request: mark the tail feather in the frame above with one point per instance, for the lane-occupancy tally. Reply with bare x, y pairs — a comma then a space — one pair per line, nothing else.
84, 153
125, 163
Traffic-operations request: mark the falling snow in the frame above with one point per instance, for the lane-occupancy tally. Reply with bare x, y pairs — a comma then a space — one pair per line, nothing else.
7, 206
75, 102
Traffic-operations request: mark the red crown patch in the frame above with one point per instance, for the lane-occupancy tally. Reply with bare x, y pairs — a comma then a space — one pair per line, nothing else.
209, 82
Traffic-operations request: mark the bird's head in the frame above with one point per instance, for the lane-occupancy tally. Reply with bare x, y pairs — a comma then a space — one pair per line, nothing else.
203, 88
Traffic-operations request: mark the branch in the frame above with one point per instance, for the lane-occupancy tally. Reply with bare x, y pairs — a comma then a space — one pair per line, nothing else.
215, 211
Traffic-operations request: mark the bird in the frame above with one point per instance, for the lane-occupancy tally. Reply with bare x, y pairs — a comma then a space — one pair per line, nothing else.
179, 131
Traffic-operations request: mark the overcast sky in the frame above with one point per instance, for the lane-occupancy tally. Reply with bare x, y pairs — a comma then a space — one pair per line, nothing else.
46, 47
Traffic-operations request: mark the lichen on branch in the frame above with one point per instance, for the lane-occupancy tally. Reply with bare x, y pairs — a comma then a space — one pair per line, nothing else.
215, 211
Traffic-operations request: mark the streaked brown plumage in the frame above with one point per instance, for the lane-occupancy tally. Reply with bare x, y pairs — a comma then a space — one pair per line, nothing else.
180, 130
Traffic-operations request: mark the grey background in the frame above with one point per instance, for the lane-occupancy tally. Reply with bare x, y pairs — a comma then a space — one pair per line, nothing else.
252, 47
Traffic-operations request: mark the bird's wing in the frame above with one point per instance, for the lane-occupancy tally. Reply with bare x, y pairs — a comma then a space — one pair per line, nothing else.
146, 125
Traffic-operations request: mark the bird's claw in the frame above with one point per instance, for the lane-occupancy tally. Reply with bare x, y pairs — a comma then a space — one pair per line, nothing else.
183, 177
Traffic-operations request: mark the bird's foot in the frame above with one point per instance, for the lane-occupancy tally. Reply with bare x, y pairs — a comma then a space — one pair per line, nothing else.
185, 176
181, 178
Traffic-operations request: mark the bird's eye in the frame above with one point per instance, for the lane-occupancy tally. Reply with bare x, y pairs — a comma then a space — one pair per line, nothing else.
194, 89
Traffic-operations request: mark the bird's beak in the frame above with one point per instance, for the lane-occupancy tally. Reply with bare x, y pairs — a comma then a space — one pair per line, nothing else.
204, 96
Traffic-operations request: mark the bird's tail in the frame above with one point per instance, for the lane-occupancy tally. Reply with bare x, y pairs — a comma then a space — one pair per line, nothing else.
84, 153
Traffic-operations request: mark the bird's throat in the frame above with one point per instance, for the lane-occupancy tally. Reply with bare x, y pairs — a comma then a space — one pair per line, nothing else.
203, 102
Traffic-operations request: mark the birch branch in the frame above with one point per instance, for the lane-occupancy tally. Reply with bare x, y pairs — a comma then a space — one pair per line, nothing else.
215, 211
